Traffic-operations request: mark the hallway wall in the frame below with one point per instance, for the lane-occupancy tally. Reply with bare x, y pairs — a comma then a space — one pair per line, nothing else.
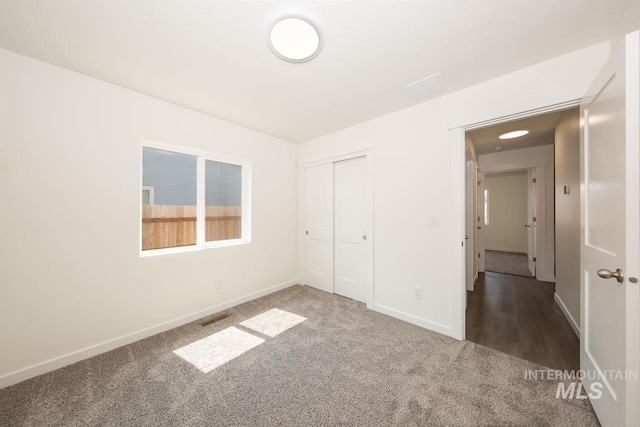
567, 161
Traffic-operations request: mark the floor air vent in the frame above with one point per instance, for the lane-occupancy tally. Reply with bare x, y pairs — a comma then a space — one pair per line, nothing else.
216, 318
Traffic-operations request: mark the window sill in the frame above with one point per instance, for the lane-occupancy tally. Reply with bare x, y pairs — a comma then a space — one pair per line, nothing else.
193, 248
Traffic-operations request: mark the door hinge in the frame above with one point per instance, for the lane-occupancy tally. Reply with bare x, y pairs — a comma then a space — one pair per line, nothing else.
535, 259
478, 254
478, 219
534, 219
534, 180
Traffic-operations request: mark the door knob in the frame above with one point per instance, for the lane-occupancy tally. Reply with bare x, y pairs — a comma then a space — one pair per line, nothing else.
527, 225
608, 274
364, 237
307, 232
466, 237
479, 228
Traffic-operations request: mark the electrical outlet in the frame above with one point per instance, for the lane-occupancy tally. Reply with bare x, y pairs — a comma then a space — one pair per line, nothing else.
417, 293
218, 284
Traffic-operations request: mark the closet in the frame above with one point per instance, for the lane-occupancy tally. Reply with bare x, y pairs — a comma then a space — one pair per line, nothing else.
337, 222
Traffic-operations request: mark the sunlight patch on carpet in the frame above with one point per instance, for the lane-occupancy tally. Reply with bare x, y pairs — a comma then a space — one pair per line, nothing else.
273, 322
217, 349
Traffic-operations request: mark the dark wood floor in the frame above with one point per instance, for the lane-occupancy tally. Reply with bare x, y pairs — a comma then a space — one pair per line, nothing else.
518, 316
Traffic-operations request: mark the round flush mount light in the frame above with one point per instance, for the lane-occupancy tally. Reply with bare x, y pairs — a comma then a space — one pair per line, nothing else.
514, 134
294, 39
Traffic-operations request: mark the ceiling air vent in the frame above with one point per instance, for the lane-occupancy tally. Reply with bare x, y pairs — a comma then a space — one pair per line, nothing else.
216, 318
425, 87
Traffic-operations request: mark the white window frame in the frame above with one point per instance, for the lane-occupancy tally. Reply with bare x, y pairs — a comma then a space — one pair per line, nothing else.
202, 157
150, 190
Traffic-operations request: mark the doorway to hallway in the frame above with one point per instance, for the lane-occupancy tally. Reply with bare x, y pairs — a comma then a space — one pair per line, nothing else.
514, 305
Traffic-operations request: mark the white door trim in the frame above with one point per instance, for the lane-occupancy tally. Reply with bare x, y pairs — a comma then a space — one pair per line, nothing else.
458, 206
368, 154
481, 223
632, 105
471, 188
333, 159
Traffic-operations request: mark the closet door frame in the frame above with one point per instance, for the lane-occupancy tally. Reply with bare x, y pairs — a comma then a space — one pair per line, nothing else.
368, 154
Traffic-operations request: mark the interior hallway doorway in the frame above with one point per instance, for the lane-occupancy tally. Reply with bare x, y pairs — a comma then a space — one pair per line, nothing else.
514, 306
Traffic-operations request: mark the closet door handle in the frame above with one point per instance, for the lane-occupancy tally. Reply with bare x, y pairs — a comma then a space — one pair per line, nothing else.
364, 237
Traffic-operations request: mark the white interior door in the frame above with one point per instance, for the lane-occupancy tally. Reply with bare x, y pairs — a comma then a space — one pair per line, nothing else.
481, 215
318, 225
609, 229
351, 240
531, 220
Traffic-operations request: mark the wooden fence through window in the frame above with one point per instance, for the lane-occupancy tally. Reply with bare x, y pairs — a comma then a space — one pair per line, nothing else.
168, 226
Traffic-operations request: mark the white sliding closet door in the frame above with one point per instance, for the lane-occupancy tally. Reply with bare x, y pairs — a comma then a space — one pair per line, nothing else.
318, 223
350, 214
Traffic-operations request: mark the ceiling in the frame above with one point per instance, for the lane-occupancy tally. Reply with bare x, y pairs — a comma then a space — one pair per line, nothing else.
212, 56
541, 132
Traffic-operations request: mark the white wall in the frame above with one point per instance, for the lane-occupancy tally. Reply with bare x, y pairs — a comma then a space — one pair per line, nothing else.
567, 159
70, 271
540, 158
419, 170
507, 212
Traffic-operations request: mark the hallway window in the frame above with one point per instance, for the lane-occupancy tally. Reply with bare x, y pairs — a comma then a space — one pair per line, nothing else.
486, 207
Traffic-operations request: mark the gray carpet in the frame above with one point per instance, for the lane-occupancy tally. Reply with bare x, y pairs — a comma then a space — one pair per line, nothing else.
507, 263
344, 365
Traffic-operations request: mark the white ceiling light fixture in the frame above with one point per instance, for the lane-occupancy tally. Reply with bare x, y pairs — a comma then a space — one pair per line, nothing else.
294, 38
514, 134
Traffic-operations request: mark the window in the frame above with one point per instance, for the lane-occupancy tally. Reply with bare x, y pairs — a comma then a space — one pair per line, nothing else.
147, 196
191, 200
486, 207
223, 197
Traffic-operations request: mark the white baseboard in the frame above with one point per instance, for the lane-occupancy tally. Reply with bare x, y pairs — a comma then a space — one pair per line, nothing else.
499, 249
472, 286
410, 318
572, 321
67, 359
550, 279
